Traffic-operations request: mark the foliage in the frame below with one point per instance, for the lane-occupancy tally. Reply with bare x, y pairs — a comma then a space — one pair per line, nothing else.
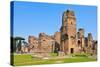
14, 46
81, 55
53, 54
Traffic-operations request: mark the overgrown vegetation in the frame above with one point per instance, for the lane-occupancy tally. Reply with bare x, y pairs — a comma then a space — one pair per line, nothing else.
81, 55
53, 54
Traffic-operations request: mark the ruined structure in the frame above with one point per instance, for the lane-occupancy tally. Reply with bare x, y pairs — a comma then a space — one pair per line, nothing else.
68, 32
64, 42
81, 40
57, 37
73, 41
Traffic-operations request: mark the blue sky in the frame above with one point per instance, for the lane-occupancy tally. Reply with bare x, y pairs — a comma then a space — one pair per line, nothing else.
31, 18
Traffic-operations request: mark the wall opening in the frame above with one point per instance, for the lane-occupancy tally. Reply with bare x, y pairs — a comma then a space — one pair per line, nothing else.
72, 50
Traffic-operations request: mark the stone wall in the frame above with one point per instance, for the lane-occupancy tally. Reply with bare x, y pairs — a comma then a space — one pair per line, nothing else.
68, 32
67, 41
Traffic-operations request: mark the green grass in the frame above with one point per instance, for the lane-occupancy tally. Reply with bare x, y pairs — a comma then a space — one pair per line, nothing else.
81, 55
53, 54
26, 59
78, 59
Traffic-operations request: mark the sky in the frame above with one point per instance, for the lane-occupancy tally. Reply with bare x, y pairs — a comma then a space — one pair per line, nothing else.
32, 18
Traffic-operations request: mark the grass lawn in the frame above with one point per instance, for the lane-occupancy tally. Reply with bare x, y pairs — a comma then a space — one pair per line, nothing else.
26, 59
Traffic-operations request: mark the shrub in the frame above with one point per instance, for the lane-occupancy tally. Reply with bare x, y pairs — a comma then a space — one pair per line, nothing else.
80, 55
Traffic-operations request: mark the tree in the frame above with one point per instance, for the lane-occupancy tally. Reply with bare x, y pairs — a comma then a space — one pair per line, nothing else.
18, 42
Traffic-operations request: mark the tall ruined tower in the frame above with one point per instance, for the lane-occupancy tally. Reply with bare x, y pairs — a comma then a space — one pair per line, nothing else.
81, 37
68, 32
90, 40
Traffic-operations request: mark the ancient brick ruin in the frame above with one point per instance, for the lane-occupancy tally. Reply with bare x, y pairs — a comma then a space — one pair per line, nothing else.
64, 42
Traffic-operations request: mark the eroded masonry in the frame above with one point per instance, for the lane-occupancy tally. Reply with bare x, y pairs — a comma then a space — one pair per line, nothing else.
64, 42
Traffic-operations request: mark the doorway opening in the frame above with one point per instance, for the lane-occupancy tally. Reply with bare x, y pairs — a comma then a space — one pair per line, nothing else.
72, 50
